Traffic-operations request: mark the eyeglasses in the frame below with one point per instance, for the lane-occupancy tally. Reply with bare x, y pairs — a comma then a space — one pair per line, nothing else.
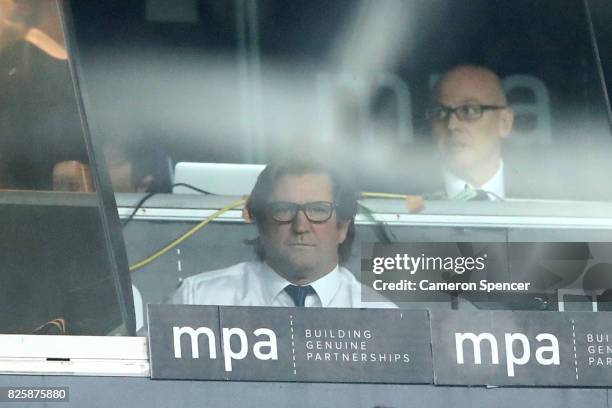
465, 113
316, 212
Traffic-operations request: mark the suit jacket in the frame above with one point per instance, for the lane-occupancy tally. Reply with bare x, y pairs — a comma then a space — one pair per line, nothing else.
519, 182
39, 119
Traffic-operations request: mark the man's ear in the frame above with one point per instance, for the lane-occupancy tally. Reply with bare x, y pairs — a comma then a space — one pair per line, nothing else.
506, 119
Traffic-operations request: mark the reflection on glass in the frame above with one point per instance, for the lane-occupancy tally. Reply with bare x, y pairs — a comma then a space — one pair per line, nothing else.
42, 147
59, 274
245, 82
358, 84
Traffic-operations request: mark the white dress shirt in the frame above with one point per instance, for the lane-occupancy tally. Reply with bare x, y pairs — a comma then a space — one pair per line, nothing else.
256, 284
454, 185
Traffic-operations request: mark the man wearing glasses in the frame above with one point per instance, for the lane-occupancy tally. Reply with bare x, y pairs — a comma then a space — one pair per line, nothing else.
470, 116
304, 211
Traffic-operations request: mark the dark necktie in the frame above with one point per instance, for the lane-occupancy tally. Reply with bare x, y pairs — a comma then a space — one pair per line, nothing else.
481, 195
476, 194
299, 293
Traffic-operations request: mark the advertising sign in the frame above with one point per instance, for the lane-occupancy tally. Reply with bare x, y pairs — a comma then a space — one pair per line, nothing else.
289, 344
522, 348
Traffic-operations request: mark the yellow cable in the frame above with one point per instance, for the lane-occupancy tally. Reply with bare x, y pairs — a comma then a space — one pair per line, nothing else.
186, 235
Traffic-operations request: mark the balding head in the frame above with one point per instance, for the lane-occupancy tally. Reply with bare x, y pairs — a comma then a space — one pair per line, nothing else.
471, 80
471, 147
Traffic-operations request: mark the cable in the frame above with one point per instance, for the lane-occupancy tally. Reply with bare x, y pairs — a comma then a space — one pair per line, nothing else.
136, 208
149, 195
380, 230
199, 190
186, 235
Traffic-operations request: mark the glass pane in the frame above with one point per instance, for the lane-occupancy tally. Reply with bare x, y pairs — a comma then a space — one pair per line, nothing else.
241, 82
217, 82
42, 137
59, 273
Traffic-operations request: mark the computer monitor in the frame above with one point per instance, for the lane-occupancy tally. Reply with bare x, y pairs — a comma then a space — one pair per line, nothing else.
216, 178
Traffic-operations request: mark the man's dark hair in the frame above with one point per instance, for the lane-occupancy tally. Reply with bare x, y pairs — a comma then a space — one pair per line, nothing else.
345, 196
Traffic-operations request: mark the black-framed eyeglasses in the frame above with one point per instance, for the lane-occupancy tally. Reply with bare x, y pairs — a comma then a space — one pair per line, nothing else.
466, 113
285, 211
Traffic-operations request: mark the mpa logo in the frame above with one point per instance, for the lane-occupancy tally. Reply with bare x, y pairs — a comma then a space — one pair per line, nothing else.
289, 344
263, 349
546, 349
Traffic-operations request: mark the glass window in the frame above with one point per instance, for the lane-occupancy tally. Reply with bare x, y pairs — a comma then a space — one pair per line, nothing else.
239, 83
64, 272
488, 116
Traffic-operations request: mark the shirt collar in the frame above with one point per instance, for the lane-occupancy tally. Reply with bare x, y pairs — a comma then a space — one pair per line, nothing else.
272, 283
325, 287
454, 185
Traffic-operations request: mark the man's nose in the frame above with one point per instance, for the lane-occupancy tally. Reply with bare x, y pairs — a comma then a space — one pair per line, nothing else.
453, 122
300, 223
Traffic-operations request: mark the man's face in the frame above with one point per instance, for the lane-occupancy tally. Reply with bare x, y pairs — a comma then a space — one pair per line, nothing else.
469, 145
300, 250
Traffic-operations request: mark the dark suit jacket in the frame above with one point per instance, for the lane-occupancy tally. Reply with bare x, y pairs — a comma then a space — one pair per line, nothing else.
430, 184
527, 177
39, 120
